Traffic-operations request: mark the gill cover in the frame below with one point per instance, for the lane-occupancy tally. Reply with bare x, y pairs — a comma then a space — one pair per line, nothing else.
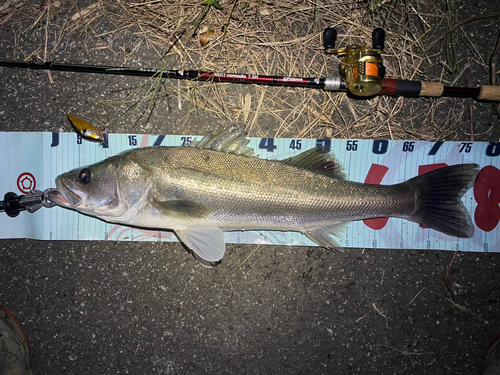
92, 189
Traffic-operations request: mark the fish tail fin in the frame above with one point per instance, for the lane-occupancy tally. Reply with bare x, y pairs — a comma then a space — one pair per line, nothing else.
439, 195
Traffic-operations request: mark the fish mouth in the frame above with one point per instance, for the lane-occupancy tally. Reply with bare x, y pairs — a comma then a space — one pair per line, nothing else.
66, 196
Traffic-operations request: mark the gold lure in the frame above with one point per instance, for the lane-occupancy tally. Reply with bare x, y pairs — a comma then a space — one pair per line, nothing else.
86, 130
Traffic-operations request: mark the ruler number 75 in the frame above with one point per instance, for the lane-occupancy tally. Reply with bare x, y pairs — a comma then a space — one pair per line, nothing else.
465, 147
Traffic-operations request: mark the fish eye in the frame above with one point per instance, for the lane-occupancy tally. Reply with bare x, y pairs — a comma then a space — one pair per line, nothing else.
85, 175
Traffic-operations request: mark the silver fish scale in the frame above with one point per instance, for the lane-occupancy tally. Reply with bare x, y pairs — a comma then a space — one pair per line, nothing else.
251, 193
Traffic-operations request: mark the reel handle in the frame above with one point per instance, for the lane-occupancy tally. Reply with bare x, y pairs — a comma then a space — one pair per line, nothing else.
329, 38
378, 38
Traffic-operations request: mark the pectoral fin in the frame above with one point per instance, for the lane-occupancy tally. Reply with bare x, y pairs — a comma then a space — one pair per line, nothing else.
323, 236
184, 209
206, 242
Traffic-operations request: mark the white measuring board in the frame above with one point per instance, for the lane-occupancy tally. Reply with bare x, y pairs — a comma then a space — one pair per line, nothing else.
33, 160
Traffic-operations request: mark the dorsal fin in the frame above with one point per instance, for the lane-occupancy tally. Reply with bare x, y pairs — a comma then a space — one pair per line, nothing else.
318, 159
231, 140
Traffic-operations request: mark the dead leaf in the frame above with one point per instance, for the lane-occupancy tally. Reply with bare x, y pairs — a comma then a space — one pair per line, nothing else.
4, 6
207, 37
84, 12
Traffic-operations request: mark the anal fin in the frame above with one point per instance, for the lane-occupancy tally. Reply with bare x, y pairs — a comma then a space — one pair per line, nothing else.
206, 242
323, 236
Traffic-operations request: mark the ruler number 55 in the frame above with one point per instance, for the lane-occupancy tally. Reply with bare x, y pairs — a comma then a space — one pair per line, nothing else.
351, 145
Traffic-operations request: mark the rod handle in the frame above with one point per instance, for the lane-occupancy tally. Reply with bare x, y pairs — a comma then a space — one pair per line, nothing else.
402, 87
490, 93
432, 89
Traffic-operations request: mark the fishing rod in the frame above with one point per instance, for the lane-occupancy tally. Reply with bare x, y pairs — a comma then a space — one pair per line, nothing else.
333, 84
362, 73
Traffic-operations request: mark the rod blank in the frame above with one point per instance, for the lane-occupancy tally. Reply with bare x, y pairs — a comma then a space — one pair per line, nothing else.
394, 87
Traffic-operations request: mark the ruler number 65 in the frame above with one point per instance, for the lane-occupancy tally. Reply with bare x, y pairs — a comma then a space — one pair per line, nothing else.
408, 146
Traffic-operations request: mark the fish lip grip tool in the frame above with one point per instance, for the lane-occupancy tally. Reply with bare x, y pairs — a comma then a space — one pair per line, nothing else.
12, 203
362, 67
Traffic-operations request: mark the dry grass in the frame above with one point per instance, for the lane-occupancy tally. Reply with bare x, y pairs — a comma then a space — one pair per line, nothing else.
272, 38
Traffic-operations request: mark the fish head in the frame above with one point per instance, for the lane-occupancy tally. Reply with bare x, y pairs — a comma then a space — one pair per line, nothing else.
114, 189
91, 189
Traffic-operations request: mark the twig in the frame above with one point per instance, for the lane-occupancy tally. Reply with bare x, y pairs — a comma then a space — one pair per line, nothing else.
464, 309
45, 57
413, 299
493, 73
493, 62
379, 311
468, 80
446, 276
457, 25
248, 257
360, 319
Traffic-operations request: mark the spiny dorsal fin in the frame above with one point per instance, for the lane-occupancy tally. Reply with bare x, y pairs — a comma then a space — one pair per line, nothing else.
231, 140
318, 159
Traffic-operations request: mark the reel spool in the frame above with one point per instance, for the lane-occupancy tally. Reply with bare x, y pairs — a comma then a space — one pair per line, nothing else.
362, 67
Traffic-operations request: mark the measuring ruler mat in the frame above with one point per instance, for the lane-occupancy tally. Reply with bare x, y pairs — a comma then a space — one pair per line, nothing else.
33, 160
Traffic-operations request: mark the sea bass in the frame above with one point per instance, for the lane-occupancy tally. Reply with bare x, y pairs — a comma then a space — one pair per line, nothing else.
218, 184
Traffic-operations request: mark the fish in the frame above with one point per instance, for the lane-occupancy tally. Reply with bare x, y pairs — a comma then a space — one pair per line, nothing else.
219, 184
86, 130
